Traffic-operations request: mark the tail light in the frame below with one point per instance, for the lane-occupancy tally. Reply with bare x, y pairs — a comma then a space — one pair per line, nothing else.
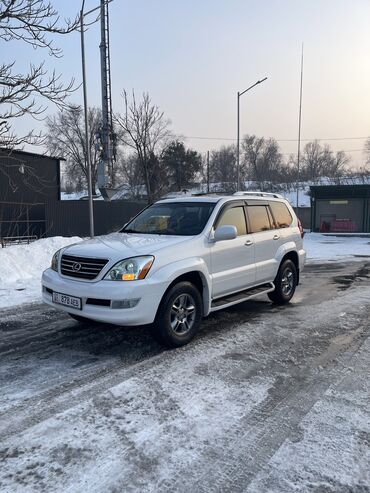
300, 228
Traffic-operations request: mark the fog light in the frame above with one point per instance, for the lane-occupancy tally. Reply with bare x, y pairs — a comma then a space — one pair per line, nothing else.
125, 303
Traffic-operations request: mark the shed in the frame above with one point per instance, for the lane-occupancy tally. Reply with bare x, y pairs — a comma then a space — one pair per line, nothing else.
340, 208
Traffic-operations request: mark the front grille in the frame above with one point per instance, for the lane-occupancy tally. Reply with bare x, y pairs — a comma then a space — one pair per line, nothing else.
82, 267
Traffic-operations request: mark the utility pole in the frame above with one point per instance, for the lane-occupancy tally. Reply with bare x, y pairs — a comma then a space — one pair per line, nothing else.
87, 140
207, 171
299, 129
238, 129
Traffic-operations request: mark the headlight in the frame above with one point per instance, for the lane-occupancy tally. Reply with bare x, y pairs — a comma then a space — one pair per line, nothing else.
130, 269
55, 261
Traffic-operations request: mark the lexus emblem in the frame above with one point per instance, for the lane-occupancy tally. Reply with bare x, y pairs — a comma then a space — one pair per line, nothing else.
76, 266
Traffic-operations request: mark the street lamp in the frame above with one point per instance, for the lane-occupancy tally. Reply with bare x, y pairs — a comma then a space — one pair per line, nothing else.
87, 144
238, 130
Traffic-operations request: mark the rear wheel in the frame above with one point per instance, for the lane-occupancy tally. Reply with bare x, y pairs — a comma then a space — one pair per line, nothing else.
179, 315
285, 283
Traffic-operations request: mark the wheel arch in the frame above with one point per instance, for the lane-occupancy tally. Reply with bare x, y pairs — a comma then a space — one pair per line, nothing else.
198, 279
293, 256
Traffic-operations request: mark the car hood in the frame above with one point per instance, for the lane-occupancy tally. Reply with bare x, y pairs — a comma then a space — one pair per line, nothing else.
117, 246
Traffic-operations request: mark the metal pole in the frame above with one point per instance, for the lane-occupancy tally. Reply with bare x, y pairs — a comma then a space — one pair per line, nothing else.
237, 141
299, 129
207, 171
87, 144
238, 128
106, 158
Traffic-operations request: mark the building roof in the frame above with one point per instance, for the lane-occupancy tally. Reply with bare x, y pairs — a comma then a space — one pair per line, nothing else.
9, 152
342, 191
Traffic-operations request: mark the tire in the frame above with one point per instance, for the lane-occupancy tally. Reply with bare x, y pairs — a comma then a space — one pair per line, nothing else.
176, 324
285, 283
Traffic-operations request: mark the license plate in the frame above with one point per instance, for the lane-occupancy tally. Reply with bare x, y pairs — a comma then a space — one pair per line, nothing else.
65, 299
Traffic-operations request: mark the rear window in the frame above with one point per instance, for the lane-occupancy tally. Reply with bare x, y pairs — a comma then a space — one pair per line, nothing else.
258, 218
282, 216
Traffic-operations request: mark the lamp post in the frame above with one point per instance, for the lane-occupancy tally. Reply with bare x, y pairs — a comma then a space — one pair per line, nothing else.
87, 143
238, 129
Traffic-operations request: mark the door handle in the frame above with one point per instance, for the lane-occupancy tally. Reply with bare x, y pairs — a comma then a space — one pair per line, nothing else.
248, 243
276, 237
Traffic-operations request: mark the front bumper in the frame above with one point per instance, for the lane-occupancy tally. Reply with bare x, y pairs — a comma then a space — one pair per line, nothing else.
149, 293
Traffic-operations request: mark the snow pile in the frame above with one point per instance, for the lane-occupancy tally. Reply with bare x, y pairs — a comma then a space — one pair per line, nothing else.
21, 267
78, 196
321, 248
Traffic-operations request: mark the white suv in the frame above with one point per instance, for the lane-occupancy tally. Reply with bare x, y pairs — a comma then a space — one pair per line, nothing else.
179, 260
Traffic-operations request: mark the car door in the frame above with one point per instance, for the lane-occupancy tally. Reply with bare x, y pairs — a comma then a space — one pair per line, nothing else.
266, 240
283, 221
232, 261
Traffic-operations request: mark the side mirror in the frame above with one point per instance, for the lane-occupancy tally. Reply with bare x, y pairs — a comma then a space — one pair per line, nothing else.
225, 232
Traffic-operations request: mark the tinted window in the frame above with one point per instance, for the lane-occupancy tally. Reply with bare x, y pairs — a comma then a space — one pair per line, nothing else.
176, 218
258, 218
234, 217
281, 213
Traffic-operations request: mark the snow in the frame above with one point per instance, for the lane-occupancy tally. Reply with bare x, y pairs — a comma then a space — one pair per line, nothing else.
247, 403
21, 267
304, 199
323, 248
77, 196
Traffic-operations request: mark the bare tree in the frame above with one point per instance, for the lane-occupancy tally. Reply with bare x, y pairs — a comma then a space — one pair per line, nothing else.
128, 174
146, 131
66, 138
261, 159
320, 161
222, 167
33, 22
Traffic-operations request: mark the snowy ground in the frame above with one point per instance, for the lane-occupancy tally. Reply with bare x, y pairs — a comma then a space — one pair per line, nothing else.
320, 248
21, 266
265, 399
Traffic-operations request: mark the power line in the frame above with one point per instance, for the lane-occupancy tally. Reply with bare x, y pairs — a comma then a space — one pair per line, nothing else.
277, 140
344, 150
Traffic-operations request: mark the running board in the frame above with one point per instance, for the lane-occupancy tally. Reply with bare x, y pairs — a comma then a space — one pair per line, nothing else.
246, 294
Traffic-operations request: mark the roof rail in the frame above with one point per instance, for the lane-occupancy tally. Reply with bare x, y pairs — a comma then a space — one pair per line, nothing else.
260, 194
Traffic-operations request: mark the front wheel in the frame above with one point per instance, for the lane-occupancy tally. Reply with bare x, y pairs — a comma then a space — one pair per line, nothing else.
179, 315
285, 283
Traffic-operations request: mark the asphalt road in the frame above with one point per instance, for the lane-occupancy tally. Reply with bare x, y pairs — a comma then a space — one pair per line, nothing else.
249, 392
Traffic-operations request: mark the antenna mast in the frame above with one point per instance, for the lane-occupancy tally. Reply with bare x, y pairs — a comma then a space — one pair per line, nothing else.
107, 136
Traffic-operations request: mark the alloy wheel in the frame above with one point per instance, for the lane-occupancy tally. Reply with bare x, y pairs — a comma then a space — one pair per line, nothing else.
183, 314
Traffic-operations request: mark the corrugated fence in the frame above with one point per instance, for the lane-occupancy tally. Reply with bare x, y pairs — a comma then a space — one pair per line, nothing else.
71, 217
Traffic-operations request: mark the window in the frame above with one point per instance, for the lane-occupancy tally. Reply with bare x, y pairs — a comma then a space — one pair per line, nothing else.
176, 218
234, 216
283, 217
258, 218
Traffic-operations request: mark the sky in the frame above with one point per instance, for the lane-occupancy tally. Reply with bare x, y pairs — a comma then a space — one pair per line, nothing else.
193, 56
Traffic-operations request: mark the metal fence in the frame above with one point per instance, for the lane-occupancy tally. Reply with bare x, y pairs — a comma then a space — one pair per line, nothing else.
64, 218
304, 214
71, 217
22, 219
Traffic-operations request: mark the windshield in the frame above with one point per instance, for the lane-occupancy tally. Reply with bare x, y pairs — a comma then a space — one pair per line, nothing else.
176, 218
